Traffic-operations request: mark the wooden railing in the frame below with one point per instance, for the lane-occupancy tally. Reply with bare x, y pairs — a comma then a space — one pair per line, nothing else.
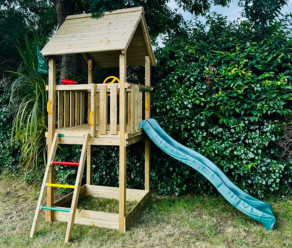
75, 102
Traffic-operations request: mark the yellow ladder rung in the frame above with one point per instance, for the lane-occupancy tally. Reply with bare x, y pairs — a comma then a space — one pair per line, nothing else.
60, 185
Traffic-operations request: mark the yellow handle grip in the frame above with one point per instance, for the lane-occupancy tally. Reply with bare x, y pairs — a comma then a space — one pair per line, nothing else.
48, 107
146, 104
90, 117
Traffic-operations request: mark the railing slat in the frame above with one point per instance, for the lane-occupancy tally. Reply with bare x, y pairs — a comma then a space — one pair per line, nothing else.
77, 108
72, 112
113, 110
93, 108
140, 106
60, 109
103, 110
129, 109
136, 107
82, 107
97, 108
66, 108
133, 97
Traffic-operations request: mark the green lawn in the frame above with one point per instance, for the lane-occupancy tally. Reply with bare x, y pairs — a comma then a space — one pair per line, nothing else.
186, 221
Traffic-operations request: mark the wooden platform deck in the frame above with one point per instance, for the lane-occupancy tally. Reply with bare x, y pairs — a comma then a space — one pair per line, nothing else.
71, 135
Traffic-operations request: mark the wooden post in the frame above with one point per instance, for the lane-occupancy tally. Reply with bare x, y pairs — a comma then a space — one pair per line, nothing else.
51, 132
147, 117
88, 166
123, 151
93, 108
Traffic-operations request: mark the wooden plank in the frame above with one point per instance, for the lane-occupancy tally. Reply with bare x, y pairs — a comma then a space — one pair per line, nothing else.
66, 109
100, 141
136, 107
97, 108
123, 151
51, 131
72, 108
113, 192
60, 109
77, 108
137, 209
114, 110
133, 97
140, 106
77, 189
131, 33
82, 107
90, 81
93, 109
88, 166
103, 107
91, 218
129, 108
135, 139
147, 117
45, 180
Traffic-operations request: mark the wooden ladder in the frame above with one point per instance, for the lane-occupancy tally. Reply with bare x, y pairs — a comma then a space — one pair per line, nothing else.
76, 187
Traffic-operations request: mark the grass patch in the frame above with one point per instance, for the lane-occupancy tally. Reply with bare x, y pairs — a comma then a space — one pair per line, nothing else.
169, 221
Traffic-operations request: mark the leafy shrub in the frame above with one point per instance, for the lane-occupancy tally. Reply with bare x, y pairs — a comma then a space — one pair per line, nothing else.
226, 88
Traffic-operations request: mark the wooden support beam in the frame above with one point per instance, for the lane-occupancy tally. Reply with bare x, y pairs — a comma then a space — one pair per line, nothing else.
123, 151
51, 132
89, 158
90, 81
93, 109
147, 117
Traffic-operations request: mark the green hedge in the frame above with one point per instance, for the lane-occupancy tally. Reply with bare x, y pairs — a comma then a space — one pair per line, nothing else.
221, 89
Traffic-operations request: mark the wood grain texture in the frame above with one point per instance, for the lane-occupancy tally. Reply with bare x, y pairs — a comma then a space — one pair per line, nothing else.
60, 109
114, 109
51, 131
123, 151
103, 109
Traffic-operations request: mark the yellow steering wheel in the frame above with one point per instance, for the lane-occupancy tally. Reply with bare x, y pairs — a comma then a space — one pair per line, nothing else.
114, 79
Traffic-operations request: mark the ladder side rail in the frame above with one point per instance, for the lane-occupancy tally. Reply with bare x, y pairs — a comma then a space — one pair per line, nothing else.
46, 176
77, 189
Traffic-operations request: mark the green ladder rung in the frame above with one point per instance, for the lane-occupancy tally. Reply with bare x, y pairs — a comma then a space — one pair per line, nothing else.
67, 210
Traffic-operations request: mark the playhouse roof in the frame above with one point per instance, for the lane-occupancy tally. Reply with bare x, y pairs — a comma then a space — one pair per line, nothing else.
105, 38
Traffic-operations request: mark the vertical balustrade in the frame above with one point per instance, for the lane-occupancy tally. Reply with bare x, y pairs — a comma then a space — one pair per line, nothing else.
77, 108
113, 109
103, 108
60, 109
66, 108
72, 112
82, 107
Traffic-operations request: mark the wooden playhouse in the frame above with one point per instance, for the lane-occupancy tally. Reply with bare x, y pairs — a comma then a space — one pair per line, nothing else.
118, 39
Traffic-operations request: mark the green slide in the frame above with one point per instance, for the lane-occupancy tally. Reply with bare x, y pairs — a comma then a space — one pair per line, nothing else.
252, 207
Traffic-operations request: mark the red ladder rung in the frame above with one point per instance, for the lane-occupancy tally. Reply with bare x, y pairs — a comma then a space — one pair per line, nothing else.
65, 163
